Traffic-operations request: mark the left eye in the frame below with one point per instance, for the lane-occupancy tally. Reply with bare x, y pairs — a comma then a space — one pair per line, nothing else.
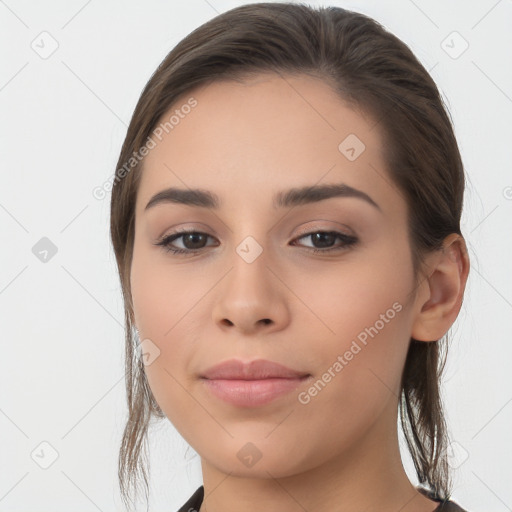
193, 241
328, 237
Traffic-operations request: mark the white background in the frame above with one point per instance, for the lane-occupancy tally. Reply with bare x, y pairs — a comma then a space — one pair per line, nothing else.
63, 120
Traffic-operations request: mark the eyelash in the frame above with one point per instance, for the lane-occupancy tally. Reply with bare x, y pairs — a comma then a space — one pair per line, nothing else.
348, 241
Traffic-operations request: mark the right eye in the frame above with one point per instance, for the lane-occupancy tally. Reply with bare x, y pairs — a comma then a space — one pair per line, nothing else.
192, 240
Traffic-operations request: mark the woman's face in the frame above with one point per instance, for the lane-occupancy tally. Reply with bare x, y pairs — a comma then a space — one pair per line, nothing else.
250, 287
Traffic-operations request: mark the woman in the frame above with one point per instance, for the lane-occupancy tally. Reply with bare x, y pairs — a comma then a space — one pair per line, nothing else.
286, 224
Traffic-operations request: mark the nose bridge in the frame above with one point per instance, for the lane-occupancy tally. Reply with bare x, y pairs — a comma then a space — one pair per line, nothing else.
249, 274
250, 295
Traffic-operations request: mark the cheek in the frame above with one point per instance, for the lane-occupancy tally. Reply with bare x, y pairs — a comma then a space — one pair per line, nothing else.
164, 301
352, 296
366, 320
162, 297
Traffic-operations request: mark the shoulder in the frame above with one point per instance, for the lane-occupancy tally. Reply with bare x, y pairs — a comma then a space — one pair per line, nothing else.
194, 502
444, 506
449, 506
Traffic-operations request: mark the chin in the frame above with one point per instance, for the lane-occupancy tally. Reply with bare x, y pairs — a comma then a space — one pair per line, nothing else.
265, 458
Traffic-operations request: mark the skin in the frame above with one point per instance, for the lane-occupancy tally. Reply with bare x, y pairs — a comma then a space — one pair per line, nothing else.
244, 142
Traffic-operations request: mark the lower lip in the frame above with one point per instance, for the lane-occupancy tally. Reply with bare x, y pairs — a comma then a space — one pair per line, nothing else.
251, 393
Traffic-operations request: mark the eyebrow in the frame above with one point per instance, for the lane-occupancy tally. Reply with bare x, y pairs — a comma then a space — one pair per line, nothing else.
283, 199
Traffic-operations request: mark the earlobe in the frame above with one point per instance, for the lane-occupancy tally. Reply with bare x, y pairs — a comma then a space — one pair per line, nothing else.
440, 299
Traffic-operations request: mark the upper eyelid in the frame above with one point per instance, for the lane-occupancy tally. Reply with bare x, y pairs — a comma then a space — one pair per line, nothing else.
303, 233
199, 230
306, 231
345, 229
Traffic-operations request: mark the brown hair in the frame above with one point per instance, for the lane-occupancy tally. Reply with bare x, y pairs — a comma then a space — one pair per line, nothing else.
373, 71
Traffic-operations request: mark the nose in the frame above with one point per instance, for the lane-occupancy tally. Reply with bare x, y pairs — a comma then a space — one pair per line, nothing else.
251, 298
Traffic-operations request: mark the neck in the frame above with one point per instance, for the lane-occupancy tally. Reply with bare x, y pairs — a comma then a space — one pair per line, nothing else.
368, 476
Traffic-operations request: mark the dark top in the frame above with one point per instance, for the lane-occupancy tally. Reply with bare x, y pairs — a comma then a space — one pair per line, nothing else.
194, 502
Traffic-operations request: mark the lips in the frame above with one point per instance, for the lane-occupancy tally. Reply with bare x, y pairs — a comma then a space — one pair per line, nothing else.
258, 369
251, 384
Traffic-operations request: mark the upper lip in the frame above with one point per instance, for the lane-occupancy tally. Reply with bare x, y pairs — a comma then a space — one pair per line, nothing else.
252, 370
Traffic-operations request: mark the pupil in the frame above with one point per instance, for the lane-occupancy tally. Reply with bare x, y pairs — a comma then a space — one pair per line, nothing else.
320, 236
193, 236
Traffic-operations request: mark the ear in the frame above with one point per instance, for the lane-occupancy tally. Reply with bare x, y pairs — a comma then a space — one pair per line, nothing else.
439, 298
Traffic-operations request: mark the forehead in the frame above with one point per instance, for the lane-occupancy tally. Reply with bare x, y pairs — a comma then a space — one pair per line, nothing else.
266, 133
